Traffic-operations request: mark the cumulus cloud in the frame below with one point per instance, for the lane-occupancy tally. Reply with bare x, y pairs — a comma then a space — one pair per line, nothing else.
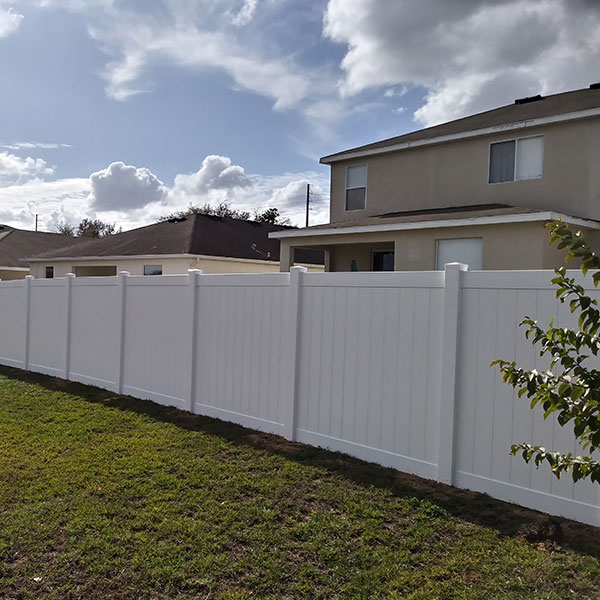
123, 187
13, 166
216, 173
470, 55
9, 21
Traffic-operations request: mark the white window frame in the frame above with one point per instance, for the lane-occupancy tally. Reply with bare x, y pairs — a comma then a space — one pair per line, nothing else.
516, 141
346, 188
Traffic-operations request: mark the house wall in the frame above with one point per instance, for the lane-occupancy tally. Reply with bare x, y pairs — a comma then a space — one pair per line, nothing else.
9, 274
456, 174
171, 266
505, 246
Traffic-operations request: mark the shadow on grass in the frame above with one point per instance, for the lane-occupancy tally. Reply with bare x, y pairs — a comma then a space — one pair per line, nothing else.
507, 519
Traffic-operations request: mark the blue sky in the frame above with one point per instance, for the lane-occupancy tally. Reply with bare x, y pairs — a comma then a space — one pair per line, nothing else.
126, 110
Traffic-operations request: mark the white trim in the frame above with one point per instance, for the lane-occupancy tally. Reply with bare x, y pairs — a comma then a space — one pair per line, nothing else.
581, 114
492, 220
153, 257
20, 269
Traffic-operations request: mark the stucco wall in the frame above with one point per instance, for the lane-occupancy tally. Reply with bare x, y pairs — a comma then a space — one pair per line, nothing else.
514, 246
6, 274
171, 266
456, 174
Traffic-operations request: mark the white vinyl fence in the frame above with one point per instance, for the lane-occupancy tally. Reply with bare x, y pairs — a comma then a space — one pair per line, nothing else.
389, 367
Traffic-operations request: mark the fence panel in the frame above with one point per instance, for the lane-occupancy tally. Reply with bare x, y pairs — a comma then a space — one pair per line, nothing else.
241, 349
490, 415
369, 365
13, 323
95, 331
155, 356
48, 326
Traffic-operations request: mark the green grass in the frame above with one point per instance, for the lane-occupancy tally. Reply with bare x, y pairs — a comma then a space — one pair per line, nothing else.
110, 497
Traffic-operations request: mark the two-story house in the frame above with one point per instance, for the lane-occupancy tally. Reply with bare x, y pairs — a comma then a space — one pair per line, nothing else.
477, 190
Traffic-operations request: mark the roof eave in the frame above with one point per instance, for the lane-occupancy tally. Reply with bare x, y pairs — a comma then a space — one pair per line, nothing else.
544, 216
560, 118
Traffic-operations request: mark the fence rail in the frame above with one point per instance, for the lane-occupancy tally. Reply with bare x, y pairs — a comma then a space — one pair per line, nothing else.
389, 367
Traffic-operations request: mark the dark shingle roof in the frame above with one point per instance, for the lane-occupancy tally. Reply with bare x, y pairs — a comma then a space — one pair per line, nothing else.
18, 243
197, 234
548, 106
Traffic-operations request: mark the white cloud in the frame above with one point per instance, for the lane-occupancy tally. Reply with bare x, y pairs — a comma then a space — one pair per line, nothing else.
9, 21
13, 166
123, 187
216, 173
469, 55
133, 197
54, 201
245, 14
34, 146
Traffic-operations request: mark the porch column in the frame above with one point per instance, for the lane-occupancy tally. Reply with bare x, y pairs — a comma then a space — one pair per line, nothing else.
286, 256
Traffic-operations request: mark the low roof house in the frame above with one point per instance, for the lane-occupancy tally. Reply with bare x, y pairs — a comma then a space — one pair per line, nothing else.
17, 243
213, 244
477, 190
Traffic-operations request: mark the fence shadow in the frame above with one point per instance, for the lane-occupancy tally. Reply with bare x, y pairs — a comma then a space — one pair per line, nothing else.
480, 509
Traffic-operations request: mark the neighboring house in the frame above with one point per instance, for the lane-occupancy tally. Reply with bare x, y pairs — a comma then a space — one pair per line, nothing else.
213, 244
17, 243
477, 190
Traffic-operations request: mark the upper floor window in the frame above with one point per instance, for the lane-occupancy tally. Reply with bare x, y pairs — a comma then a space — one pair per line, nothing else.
514, 160
356, 187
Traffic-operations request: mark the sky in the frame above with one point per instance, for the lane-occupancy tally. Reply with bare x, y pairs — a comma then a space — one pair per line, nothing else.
127, 110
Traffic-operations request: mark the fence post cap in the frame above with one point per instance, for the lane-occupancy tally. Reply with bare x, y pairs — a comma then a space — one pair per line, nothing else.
70, 275
195, 271
298, 269
29, 277
456, 265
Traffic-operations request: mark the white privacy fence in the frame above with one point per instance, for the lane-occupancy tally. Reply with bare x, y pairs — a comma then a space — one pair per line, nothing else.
390, 367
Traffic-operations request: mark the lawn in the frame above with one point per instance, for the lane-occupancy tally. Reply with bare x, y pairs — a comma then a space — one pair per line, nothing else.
110, 497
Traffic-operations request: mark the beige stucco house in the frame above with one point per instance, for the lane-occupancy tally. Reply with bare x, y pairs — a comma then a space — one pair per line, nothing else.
213, 244
477, 190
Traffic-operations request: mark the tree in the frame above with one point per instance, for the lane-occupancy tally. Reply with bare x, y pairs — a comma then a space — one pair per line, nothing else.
570, 388
271, 215
88, 228
223, 209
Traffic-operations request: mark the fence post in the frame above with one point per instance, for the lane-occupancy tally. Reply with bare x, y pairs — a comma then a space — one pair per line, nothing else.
69, 293
452, 297
28, 280
289, 420
123, 275
193, 280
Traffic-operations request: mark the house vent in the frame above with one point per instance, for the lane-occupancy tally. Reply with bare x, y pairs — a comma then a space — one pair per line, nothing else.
595, 86
529, 99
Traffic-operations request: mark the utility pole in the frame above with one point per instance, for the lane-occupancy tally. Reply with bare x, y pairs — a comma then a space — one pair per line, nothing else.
36, 221
307, 201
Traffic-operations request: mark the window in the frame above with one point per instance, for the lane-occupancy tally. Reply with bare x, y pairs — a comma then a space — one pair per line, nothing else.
515, 160
152, 269
49, 272
463, 250
356, 187
383, 261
